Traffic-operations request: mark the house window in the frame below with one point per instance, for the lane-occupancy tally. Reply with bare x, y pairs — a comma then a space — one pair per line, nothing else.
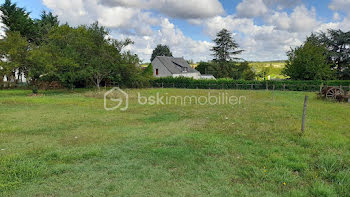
157, 72
184, 69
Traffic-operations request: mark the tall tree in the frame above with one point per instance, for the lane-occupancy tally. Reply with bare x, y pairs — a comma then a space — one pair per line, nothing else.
17, 19
337, 43
161, 50
39, 64
44, 25
308, 62
65, 45
225, 47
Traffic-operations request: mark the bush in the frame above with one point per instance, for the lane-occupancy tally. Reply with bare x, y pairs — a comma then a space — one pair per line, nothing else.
291, 85
308, 62
35, 90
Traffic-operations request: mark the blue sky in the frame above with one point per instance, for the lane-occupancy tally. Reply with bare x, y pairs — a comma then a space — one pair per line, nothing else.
265, 29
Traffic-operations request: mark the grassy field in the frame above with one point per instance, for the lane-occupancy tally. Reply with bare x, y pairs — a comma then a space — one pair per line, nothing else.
65, 144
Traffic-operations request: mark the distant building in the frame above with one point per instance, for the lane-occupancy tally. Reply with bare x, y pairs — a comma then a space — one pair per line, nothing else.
207, 77
173, 67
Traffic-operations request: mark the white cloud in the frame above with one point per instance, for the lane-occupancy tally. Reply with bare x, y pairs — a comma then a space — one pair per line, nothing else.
131, 20
324, 27
282, 4
300, 20
251, 8
340, 5
186, 9
230, 22
336, 16
260, 42
146, 23
132, 23
73, 12
169, 34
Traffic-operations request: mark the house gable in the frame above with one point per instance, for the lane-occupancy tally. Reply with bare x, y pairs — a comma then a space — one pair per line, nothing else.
159, 70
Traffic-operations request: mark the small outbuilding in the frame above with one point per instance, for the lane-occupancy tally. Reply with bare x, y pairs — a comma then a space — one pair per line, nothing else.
207, 77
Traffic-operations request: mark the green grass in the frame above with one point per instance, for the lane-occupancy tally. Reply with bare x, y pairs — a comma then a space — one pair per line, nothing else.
66, 144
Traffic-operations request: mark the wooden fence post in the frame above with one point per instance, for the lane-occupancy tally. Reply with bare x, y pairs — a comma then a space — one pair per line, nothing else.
284, 87
304, 115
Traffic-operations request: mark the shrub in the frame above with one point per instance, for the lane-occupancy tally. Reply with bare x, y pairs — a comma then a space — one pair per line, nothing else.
291, 85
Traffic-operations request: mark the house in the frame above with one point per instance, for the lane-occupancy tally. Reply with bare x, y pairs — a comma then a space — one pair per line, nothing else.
173, 67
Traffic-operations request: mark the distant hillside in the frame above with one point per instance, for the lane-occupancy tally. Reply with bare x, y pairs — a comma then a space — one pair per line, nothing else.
276, 68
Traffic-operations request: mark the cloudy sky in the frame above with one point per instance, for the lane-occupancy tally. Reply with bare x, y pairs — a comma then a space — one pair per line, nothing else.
265, 29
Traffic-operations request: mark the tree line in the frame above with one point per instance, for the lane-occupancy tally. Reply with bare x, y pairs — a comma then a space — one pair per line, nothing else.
322, 56
44, 50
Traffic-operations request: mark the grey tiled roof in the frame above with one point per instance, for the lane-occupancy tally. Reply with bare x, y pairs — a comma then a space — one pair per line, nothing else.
175, 65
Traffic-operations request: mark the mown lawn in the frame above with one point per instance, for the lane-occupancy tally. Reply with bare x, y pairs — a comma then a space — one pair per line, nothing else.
65, 144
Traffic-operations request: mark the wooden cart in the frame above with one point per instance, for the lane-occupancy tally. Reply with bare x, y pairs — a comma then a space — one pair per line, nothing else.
335, 93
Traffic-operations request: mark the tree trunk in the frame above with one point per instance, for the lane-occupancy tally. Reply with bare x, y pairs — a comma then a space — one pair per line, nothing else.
98, 81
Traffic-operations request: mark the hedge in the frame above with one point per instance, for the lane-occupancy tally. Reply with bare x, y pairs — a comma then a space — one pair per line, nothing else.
291, 85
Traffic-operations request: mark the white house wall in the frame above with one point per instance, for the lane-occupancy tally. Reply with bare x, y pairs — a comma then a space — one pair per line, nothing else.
162, 70
188, 75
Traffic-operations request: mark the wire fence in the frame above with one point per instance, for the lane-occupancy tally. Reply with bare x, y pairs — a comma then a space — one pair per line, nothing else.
228, 86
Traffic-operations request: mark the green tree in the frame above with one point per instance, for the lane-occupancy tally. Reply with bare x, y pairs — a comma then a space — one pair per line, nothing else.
106, 54
308, 62
225, 47
86, 55
207, 68
337, 43
17, 19
39, 64
101, 61
249, 74
148, 72
13, 54
241, 71
66, 45
161, 50
44, 25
